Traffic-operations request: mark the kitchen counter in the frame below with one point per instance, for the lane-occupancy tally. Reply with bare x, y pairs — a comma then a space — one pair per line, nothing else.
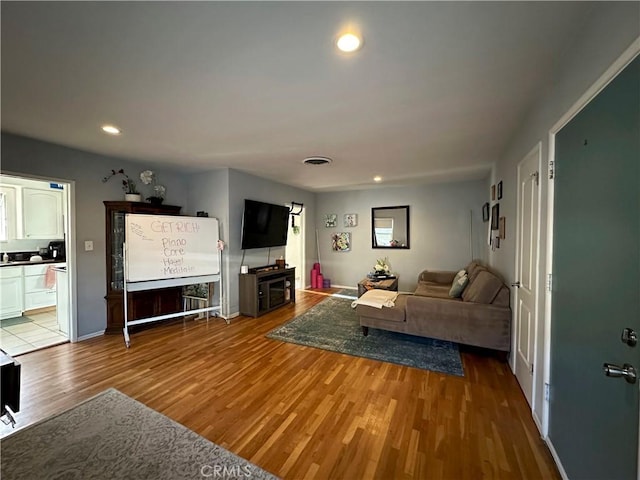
28, 262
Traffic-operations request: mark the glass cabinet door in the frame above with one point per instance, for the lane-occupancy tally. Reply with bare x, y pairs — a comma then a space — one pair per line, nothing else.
117, 241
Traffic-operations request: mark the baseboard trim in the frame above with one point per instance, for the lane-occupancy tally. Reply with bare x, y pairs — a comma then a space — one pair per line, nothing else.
556, 459
90, 335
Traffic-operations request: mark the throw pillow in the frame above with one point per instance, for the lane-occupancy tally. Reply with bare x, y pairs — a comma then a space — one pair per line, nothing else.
459, 275
458, 286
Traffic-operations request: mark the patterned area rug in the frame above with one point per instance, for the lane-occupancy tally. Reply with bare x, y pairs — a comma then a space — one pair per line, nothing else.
112, 436
333, 325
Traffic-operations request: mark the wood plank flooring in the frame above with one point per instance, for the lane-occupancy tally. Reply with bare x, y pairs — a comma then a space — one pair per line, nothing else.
300, 412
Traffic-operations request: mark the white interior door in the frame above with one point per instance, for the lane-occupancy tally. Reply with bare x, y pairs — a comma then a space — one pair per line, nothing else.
526, 317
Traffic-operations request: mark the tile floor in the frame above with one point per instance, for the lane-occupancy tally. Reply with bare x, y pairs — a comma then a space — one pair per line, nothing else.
42, 331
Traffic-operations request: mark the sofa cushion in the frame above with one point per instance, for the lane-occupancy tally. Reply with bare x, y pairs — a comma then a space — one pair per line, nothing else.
458, 285
474, 274
483, 289
471, 267
502, 299
444, 278
427, 289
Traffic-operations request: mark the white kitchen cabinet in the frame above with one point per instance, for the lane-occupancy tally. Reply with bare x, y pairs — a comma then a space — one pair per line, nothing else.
42, 214
11, 297
38, 293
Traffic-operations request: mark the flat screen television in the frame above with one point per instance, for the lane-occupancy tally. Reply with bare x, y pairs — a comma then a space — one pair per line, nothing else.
264, 225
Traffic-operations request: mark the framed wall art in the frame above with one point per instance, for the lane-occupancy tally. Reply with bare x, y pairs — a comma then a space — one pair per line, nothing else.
502, 228
331, 220
500, 190
351, 220
341, 242
485, 212
495, 214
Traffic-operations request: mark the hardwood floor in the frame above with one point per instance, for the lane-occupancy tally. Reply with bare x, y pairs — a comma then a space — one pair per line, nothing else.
300, 412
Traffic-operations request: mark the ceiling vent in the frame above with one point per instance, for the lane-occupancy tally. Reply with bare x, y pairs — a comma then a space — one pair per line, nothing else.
316, 160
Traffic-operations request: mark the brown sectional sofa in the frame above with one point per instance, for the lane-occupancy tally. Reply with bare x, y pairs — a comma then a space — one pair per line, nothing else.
482, 317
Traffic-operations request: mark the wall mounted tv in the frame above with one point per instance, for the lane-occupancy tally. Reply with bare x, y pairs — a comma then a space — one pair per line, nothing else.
264, 225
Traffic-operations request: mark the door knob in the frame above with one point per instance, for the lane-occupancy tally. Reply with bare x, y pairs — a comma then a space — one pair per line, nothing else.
516, 284
627, 371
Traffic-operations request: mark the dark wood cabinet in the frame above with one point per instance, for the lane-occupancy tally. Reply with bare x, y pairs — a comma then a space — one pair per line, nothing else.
142, 304
263, 291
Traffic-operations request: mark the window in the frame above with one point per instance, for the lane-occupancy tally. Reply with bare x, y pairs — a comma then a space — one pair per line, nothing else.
383, 229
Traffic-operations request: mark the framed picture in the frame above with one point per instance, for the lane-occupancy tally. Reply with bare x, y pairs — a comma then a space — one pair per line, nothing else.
500, 190
485, 212
501, 228
495, 214
331, 220
351, 220
341, 242
493, 192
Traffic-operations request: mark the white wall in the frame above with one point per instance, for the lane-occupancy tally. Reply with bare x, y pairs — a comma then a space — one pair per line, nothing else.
440, 229
613, 28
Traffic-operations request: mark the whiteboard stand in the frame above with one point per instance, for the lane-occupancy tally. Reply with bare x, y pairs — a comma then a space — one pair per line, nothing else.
150, 285
169, 251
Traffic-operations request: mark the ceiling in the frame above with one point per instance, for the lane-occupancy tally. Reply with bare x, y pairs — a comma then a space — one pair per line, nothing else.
435, 94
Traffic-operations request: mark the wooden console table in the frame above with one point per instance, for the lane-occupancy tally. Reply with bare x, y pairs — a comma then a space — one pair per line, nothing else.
368, 284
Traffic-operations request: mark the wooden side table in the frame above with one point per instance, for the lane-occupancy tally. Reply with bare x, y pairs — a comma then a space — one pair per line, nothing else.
368, 284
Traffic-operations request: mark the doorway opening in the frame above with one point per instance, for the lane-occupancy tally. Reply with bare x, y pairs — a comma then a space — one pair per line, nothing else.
295, 250
34, 235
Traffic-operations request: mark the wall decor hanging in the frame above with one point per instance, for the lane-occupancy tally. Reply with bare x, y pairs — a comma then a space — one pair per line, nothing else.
341, 241
500, 190
502, 228
351, 220
485, 212
331, 220
495, 214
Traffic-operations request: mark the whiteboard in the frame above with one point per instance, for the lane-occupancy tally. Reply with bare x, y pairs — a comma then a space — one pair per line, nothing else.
161, 247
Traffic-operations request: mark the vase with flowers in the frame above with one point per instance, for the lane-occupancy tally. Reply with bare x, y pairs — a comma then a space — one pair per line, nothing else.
381, 268
157, 191
130, 188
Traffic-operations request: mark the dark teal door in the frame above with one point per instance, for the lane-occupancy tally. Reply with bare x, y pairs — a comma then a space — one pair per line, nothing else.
593, 421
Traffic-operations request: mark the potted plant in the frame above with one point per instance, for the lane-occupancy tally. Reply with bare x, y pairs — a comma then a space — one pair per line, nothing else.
131, 193
158, 191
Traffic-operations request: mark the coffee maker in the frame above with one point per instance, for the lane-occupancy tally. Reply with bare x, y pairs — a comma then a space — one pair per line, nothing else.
57, 250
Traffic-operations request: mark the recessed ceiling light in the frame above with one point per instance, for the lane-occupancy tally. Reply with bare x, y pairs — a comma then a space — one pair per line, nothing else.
377, 178
316, 160
349, 42
111, 130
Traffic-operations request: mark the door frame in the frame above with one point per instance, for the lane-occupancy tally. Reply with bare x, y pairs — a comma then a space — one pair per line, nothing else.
303, 243
620, 64
70, 253
536, 244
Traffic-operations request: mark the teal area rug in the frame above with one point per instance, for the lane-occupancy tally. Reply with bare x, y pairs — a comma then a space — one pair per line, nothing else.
333, 325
